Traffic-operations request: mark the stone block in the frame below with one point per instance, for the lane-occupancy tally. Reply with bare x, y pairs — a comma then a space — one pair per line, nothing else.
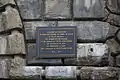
92, 54
88, 8
3, 45
57, 9
11, 19
98, 73
31, 56
16, 43
18, 70
5, 2
89, 31
118, 60
113, 45
15, 66
113, 5
4, 61
30, 9
118, 35
70, 61
114, 19
30, 27
60, 72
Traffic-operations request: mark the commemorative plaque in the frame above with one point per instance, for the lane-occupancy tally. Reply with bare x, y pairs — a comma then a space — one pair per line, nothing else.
56, 42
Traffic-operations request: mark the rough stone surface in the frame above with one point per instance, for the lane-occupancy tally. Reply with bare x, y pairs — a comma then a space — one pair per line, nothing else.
114, 5
30, 9
30, 27
113, 46
16, 43
91, 30
31, 56
114, 19
88, 8
118, 60
57, 8
11, 18
56, 72
98, 73
92, 54
118, 35
3, 45
15, 67
70, 61
4, 67
5, 2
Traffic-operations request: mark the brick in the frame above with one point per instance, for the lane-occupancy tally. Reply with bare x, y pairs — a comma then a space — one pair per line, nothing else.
11, 19
31, 55
91, 31
60, 72
92, 54
4, 67
57, 8
113, 5
3, 45
98, 73
113, 45
5, 2
30, 27
16, 43
30, 9
15, 67
88, 8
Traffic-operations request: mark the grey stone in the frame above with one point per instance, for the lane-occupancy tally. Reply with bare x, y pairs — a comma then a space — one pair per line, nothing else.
88, 8
4, 67
57, 8
30, 9
91, 30
70, 61
31, 72
118, 35
114, 5
3, 45
15, 67
31, 56
30, 27
98, 73
118, 60
60, 72
11, 19
113, 46
16, 43
92, 54
114, 19
5, 2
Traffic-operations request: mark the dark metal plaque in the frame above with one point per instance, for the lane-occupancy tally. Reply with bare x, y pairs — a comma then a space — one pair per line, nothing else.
56, 42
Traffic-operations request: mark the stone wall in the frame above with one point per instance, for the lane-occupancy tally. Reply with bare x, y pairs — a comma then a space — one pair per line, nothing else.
98, 38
